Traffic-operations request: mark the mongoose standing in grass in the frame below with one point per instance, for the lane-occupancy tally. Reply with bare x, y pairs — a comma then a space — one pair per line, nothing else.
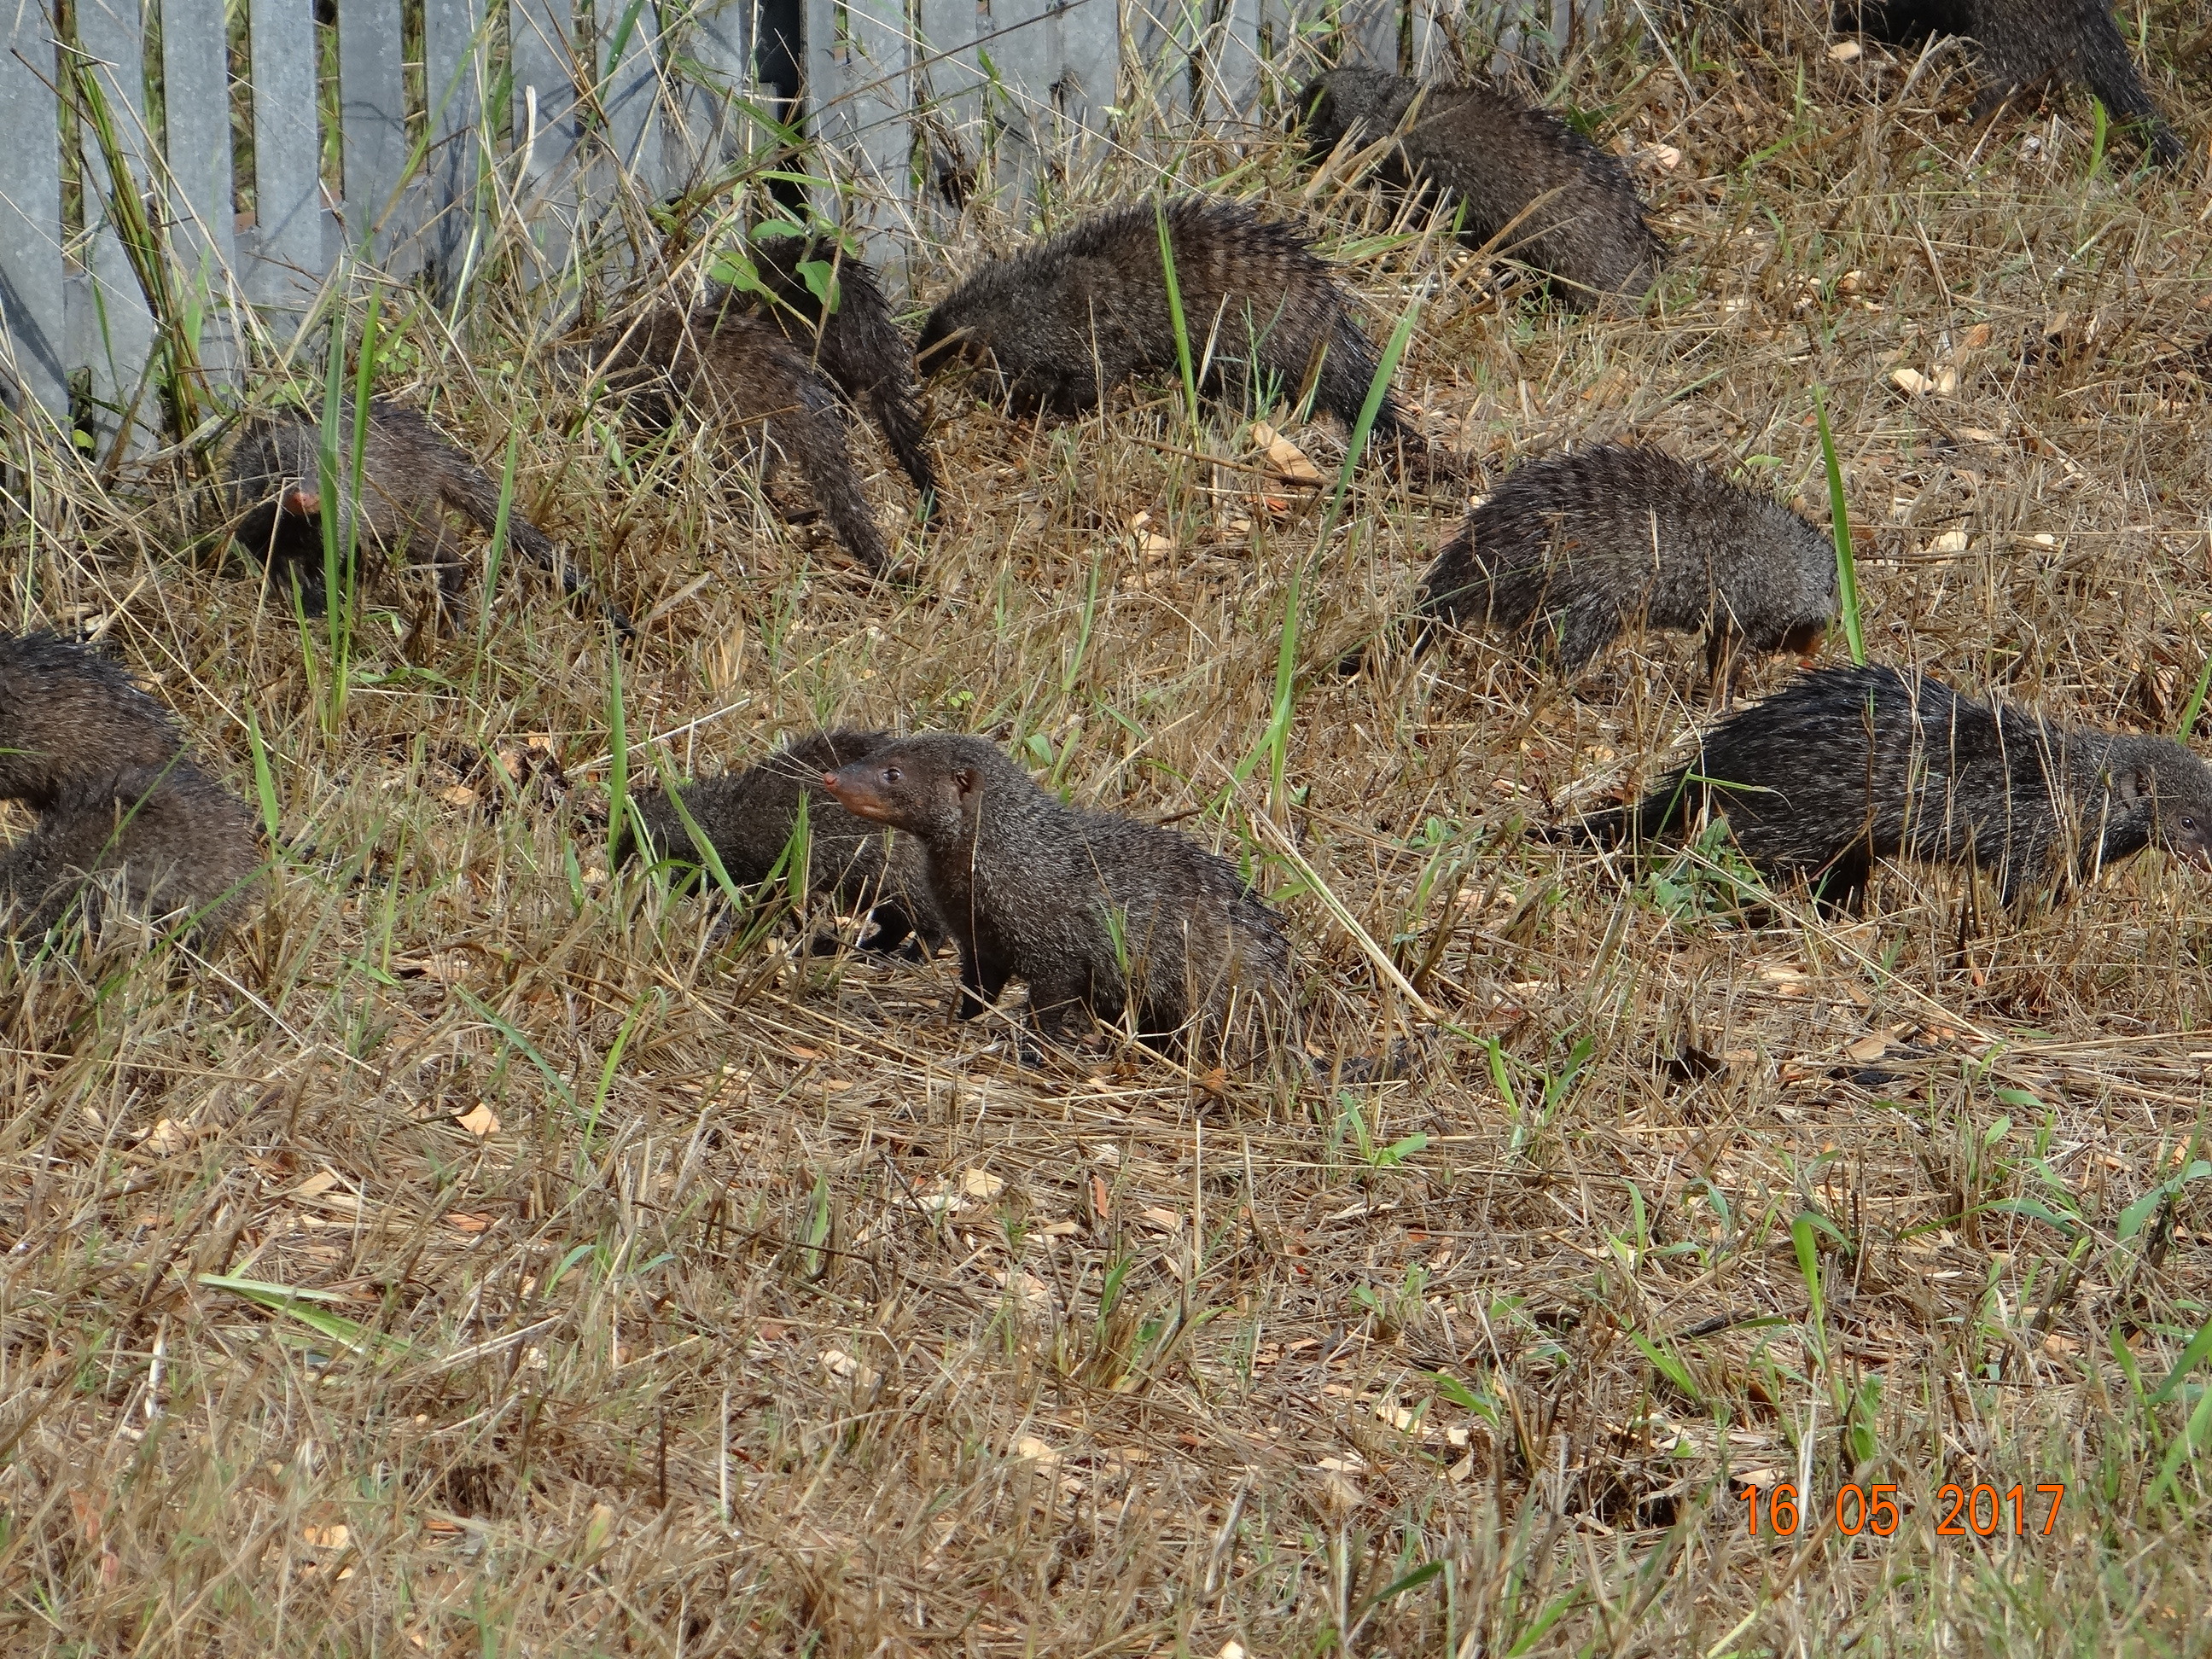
1577, 544
1847, 765
1103, 916
68, 712
854, 342
748, 818
410, 473
737, 371
1524, 178
181, 844
1069, 318
101, 763
2019, 43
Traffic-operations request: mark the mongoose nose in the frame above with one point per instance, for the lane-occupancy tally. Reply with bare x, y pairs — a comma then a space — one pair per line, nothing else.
830, 781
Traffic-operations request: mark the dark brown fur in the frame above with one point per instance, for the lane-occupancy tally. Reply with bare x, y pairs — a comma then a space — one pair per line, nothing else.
411, 474
67, 713
1846, 765
1560, 205
2020, 44
856, 344
1101, 915
748, 818
179, 845
1077, 315
1573, 545
739, 374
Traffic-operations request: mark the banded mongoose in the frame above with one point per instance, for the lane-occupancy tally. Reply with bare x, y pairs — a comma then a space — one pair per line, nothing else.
1846, 765
855, 342
739, 374
1577, 544
1070, 317
101, 763
1103, 916
68, 712
2020, 43
180, 845
1522, 177
748, 818
410, 473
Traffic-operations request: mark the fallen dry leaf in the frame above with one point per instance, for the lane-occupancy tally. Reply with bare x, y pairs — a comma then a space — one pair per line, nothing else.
168, 1138
1291, 462
838, 1363
479, 1121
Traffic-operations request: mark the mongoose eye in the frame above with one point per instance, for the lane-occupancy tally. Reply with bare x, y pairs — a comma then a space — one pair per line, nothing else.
891, 775
2187, 822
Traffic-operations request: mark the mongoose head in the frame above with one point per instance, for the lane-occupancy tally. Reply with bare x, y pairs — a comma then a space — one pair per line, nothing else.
2177, 786
929, 786
1342, 100
289, 522
2185, 821
945, 341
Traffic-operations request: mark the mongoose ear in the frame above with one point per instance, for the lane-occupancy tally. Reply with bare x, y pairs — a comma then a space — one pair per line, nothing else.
964, 780
2133, 784
304, 502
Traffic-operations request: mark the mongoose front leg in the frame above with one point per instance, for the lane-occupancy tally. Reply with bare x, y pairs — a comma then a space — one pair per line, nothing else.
983, 976
1839, 889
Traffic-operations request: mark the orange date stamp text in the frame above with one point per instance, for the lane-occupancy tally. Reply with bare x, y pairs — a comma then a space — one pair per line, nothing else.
1979, 1510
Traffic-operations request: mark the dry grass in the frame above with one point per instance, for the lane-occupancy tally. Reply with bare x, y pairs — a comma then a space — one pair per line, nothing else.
776, 1313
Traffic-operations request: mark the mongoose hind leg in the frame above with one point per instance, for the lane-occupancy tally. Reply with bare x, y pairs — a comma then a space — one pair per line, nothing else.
1061, 1005
432, 550
1581, 631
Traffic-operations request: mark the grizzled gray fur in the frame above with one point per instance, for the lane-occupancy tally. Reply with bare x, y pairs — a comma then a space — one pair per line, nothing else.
411, 474
1100, 915
856, 344
1499, 159
101, 763
2018, 44
1577, 544
736, 372
66, 713
1847, 765
1069, 318
748, 817
177, 843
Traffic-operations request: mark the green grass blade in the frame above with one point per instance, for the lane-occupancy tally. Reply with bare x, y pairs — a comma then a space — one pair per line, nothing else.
1386, 370
1847, 575
1177, 319
299, 1304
